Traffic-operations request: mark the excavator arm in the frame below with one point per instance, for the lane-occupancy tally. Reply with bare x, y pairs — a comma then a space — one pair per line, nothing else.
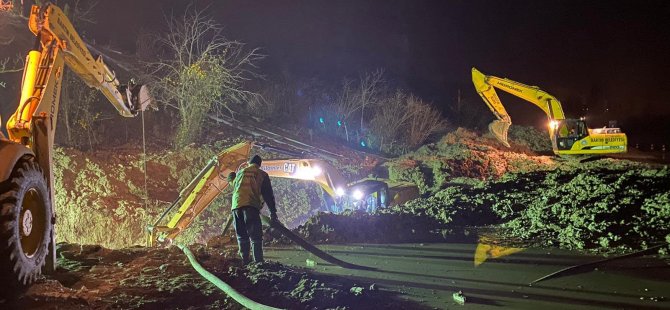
199, 194
33, 124
486, 85
57, 43
316, 170
212, 181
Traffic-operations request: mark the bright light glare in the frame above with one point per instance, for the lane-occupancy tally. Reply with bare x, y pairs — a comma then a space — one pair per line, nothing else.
553, 125
358, 195
308, 173
339, 192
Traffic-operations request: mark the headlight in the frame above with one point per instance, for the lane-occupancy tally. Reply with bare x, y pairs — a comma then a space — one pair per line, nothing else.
308, 173
358, 194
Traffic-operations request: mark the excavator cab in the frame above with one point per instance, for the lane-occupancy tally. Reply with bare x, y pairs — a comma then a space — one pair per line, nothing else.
567, 132
368, 195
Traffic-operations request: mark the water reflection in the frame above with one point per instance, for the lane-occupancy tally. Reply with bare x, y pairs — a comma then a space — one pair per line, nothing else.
488, 249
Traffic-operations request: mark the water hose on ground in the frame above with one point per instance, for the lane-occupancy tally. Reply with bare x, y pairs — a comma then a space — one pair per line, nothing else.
303, 243
229, 290
309, 247
590, 266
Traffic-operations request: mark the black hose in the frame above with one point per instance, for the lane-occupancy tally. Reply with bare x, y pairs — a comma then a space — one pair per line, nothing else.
311, 248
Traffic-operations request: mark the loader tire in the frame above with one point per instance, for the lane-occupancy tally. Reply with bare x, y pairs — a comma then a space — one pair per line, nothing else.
25, 227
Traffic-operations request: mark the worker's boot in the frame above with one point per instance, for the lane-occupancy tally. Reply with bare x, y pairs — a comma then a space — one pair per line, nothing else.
244, 252
257, 248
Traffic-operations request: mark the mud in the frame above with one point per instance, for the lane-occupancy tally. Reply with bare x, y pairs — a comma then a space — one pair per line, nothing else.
92, 277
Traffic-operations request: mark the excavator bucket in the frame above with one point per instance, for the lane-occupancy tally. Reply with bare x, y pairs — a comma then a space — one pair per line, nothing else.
499, 129
139, 97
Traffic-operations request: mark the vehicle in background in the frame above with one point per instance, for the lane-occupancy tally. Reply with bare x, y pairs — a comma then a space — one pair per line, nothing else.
568, 136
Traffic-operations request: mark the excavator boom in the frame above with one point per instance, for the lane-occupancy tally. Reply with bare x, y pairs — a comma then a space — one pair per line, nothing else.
486, 85
57, 43
316, 170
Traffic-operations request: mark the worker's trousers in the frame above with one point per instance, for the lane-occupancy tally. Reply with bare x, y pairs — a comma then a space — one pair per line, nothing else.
247, 222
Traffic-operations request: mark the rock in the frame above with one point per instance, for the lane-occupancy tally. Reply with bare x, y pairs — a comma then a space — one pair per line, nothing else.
459, 298
356, 290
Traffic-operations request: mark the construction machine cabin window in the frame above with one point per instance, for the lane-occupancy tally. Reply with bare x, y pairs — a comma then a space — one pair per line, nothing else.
568, 132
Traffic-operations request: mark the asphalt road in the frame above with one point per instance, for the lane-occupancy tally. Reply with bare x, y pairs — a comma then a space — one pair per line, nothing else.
431, 273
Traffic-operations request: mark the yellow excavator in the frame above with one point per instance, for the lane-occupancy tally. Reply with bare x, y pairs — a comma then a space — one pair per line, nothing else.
366, 194
568, 136
28, 215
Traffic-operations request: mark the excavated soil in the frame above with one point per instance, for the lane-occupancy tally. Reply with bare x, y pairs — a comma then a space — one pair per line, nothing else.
92, 277
361, 227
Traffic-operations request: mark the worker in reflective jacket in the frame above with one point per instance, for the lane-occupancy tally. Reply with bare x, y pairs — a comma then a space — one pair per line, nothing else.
251, 188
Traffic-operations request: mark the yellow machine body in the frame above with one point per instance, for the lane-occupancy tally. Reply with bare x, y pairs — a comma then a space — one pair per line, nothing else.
568, 136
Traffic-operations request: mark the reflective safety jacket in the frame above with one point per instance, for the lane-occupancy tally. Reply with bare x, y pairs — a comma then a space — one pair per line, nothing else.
251, 188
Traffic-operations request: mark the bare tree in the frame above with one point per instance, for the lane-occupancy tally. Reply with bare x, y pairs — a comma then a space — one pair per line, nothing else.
424, 121
275, 98
346, 103
146, 45
78, 115
201, 71
369, 90
80, 12
354, 97
391, 117
9, 65
77, 100
10, 21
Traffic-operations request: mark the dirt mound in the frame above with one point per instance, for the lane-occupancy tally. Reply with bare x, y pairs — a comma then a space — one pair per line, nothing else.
109, 185
385, 226
464, 153
607, 209
94, 277
608, 205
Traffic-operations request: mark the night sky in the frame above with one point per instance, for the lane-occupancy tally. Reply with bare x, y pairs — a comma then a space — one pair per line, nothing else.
601, 54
